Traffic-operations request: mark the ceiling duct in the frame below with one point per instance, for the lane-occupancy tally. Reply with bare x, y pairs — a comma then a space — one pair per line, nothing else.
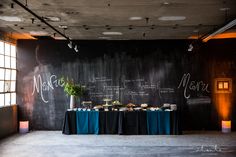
43, 20
40, 18
220, 30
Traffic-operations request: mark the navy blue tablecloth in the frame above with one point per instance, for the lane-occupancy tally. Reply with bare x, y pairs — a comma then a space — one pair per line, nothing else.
109, 122
69, 125
133, 123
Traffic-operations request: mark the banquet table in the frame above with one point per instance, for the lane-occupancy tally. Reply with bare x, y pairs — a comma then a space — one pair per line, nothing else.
121, 122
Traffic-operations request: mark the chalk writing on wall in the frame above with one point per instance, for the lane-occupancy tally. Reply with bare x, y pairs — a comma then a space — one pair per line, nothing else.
134, 88
40, 86
143, 88
192, 85
200, 100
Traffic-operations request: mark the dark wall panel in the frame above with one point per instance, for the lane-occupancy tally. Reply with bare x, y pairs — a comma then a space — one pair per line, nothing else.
153, 72
8, 121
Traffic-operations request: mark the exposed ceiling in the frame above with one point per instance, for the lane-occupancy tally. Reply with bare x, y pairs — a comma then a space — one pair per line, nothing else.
89, 19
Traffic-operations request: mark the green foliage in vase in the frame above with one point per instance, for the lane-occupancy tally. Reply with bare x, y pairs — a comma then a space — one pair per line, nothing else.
70, 88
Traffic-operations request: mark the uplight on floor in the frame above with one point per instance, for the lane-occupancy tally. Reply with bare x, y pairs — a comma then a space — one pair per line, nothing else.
226, 126
24, 127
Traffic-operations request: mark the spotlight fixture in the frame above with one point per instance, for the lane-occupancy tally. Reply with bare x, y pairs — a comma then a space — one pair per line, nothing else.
76, 48
190, 48
70, 45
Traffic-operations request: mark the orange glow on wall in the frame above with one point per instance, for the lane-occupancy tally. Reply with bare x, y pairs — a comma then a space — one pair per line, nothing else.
223, 105
222, 100
218, 36
20, 36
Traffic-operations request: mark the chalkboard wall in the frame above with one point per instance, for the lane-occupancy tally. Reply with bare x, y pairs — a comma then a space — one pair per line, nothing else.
153, 72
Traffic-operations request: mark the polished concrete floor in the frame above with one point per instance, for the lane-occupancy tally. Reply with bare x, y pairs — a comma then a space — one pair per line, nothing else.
55, 144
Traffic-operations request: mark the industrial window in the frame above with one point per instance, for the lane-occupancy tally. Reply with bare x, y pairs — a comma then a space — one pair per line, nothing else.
7, 74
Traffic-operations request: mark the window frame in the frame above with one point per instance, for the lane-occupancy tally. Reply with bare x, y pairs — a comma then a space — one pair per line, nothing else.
12, 70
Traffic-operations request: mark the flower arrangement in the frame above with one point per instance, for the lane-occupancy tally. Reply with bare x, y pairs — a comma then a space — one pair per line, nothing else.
116, 102
70, 88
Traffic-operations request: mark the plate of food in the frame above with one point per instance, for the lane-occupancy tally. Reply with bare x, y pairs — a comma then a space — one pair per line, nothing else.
106, 105
98, 107
130, 105
144, 105
137, 108
123, 109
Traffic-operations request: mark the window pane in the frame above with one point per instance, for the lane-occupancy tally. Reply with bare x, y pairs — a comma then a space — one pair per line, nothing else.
1, 99
1, 47
13, 74
13, 86
13, 98
7, 49
1, 86
8, 99
7, 86
1, 61
13, 63
8, 74
2, 72
7, 62
13, 51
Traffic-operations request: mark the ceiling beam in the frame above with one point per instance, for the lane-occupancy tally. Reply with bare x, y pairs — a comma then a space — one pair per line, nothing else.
41, 19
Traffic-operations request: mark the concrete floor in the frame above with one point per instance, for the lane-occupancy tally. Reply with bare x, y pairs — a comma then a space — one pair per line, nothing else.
55, 144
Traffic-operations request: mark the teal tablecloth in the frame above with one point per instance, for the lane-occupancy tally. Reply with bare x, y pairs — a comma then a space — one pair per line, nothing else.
158, 122
87, 122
